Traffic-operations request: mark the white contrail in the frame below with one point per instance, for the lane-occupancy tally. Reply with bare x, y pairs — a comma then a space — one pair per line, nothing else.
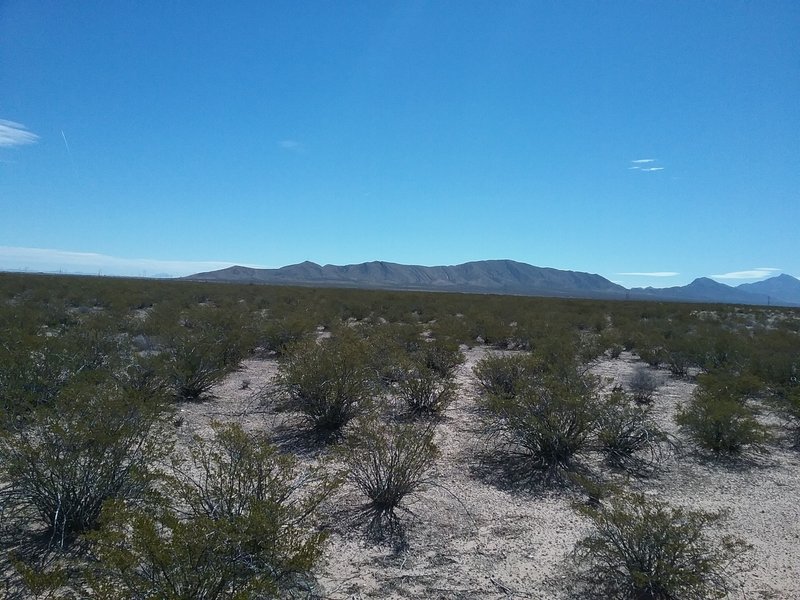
66, 144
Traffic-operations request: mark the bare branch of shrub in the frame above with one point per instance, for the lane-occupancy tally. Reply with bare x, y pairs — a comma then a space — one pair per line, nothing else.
643, 385
388, 463
628, 436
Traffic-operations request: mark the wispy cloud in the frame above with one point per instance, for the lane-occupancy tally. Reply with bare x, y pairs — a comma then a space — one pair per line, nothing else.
652, 274
48, 260
757, 273
645, 165
291, 145
15, 134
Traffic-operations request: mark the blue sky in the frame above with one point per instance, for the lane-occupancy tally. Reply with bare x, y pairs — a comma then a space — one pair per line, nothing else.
619, 138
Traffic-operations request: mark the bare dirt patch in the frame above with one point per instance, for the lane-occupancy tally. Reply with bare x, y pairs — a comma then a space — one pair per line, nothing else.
471, 537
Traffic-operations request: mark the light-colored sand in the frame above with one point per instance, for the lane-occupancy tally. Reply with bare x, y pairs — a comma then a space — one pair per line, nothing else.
472, 537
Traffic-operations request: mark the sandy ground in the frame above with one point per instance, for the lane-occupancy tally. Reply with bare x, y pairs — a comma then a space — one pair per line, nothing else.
472, 536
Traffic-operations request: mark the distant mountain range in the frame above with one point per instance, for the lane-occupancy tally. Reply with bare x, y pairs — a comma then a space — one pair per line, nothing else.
506, 277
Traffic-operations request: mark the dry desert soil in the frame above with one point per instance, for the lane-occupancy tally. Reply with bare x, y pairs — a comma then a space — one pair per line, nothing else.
471, 534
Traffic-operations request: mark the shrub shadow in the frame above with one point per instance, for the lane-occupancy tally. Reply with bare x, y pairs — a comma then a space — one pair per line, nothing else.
515, 472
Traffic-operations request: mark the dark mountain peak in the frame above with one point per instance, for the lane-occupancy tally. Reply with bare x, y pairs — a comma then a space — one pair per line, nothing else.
706, 282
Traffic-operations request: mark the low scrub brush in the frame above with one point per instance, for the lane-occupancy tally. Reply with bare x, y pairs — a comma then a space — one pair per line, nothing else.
642, 548
388, 463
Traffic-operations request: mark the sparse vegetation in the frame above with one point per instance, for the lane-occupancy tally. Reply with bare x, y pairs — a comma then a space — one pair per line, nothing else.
440, 357
792, 403
200, 355
504, 376
89, 364
644, 548
652, 355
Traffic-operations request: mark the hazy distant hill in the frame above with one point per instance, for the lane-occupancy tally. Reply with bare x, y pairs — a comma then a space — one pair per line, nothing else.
489, 276
778, 290
507, 277
702, 289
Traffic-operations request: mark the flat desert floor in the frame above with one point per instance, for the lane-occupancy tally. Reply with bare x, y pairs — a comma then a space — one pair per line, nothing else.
470, 534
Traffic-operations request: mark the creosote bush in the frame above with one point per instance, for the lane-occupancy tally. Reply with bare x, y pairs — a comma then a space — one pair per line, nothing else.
628, 436
717, 420
644, 549
652, 355
679, 362
243, 526
388, 463
330, 381
197, 360
425, 391
35, 368
549, 422
504, 375
276, 335
93, 444
440, 356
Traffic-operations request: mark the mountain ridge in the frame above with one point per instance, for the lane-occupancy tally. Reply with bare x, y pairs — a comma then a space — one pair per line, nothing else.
504, 276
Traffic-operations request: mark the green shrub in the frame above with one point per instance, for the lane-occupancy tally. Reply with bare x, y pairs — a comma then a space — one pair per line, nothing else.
549, 422
718, 420
94, 443
627, 435
206, 345
34, 369
722, 426
276, 335
45, 581
652, 355
144, 376
425, 391
679, 362
487, 328
642, 548
225, 477
243, 527
197, 360
503, 376
441, 357
330, 381
387, 463
391, 347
